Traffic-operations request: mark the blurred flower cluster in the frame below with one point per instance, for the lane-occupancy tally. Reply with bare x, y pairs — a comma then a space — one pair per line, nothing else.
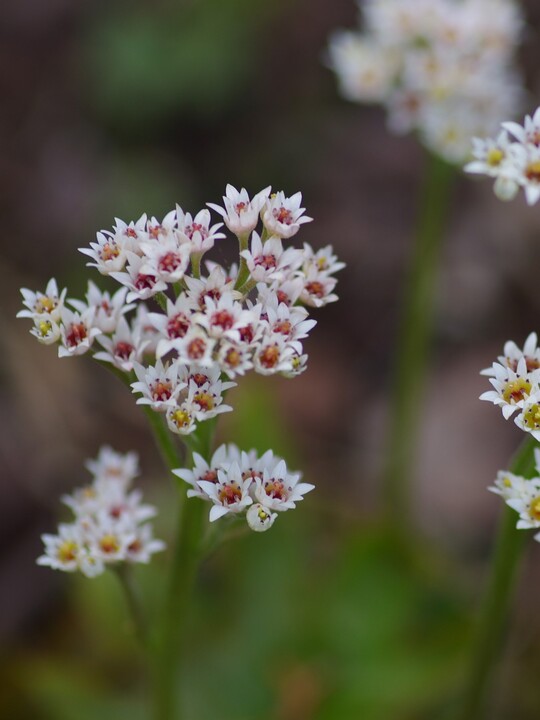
110, 523
515, 378
237, 482
522, 495
513, 159
203, 328
443, 68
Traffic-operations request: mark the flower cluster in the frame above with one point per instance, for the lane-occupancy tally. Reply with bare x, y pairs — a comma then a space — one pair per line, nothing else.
110, 523
202, 329
241, 482
513, 159
515, 378
443, 68
522, 495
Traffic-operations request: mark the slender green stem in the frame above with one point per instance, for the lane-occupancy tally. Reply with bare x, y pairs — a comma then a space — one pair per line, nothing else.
164, 438
414, 340
186, 553
243, 270
493, 615
196, 265
124, 573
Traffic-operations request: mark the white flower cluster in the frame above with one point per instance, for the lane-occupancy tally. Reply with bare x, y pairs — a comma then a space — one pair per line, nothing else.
515, 378
110, 521
204, 327
522, 495
441, 67
513, 159
237, 482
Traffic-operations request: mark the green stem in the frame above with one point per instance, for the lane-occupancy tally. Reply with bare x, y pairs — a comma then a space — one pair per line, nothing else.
124, 573
243, 270
493, 615
175, 614
413, 342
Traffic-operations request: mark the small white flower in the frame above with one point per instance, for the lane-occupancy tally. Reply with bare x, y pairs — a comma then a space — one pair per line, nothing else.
240, 213
511, 388
181, 419
108, 310
280, 490
123, 349
77, 332
141, 285
114, 466
47, 305
230, 494
197, 231
282, 216
259, 518
158, 384
46, 330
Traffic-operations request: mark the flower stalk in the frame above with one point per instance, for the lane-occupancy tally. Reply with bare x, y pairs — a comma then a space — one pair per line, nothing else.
414, 340
493, 615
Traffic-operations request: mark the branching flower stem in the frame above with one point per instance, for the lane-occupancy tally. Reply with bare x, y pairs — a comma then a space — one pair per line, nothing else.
414, 341
493, 615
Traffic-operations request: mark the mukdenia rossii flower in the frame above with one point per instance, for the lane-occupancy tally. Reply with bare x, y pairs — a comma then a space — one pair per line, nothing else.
110, 525
515, 379
192, 322
513, 159
237, 482
522, 495
444, 68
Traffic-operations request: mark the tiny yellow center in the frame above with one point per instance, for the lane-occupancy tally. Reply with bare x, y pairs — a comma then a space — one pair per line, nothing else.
534, 508
531, 417
180, 418
532, 171
109, 544
67, 551
495, 157
44, 328
45, 304
516, 390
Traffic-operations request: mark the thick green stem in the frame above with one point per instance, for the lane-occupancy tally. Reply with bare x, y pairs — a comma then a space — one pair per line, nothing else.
413, 343
493, 615
175, 614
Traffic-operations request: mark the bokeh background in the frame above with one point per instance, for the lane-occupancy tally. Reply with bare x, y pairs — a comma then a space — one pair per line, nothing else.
115, 107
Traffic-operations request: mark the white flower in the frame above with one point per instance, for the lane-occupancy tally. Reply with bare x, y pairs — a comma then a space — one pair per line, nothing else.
196, 347
197, 231
123, 349
114, 466
141, 285
46, 330
268, 261
207, 472
512, 354
280, 490
511, 388
240, 213
108, 310
43, 305
230, 494
318, 288
274, 355
77, 332
167, 260
158, 384
181, 419
282, 216
224, 317
259, 518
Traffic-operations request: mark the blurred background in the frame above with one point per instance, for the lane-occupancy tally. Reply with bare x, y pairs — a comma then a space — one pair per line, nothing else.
115, 108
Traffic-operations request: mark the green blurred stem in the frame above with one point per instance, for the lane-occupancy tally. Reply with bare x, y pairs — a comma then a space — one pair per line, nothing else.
413, 342
493, 615
243, 270
185, 559
124, 573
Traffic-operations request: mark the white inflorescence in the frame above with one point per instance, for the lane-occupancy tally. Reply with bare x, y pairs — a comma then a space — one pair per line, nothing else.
513, 159
110, 523
515, 378
242, 482
443, 68
522, 495
211, 323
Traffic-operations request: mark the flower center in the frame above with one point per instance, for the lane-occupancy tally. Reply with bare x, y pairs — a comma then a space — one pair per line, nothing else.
110, 250
178, 326
67, 551
144, 282
230, 493
196, 349
283, 215
233, 358
276, 489
315, 288
284, 327
180, 418
46, 304
532, 172
123, 350
534, 508
494, 157
516, 390
531, 417
162, 391
204, 400
77, 333
210, 476
268, 262
109, 544
169, 262
269, 357
223, 319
